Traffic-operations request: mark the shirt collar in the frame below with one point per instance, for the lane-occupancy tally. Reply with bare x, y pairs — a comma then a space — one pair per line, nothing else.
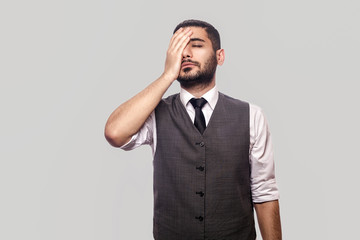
210, 96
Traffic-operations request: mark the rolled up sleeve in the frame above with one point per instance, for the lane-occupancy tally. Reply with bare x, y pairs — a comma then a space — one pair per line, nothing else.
145, 136
261, 154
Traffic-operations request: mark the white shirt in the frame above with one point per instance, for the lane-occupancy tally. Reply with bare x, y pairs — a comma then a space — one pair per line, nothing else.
263, 183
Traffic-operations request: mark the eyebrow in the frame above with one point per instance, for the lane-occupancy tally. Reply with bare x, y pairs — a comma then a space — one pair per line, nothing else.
196, 39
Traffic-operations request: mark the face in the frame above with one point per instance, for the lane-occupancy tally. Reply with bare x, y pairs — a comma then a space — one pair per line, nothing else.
199, 60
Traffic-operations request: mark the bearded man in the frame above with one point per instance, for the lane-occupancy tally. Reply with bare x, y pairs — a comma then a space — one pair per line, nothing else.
213, 158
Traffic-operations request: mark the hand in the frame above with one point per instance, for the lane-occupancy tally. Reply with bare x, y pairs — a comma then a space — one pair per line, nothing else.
177, 45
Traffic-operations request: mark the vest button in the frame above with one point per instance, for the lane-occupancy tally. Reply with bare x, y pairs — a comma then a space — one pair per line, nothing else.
200, 193
202, 144
200, 218
201, 168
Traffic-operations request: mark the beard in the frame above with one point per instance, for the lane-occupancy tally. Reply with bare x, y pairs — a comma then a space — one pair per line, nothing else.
202, 77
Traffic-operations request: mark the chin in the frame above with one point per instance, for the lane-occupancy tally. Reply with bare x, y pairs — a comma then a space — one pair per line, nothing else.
188, 73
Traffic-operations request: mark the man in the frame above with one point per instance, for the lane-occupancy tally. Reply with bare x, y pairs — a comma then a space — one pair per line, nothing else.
213, 158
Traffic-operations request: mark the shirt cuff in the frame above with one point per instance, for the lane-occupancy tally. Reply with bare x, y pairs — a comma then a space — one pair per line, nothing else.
265, 191
130, 145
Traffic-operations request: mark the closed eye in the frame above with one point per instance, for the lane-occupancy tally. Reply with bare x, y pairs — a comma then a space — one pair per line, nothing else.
199, 46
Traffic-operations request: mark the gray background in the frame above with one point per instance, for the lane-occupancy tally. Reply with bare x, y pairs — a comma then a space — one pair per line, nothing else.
66, 65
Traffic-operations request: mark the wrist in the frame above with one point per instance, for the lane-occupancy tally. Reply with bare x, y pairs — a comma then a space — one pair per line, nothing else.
168, 77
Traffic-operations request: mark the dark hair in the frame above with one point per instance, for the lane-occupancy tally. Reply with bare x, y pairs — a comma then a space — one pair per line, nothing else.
213, 34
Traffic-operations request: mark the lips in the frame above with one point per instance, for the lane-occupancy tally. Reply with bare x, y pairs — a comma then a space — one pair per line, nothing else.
188, 64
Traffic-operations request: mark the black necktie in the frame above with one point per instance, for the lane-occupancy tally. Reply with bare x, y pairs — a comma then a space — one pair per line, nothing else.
199, 122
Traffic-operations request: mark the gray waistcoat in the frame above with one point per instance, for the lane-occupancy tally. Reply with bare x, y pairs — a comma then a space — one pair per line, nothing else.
202, 182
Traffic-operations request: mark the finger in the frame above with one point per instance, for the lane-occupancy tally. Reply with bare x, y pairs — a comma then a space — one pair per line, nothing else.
179, 37
175, 35
181, 44
179, 30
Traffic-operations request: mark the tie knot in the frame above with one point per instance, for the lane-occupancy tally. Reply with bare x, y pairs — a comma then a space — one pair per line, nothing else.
198, 102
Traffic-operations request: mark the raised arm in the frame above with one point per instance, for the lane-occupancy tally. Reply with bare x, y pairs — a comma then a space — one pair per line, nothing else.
128, 118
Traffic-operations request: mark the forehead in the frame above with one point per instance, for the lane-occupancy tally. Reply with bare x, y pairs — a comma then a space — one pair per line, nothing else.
200, 33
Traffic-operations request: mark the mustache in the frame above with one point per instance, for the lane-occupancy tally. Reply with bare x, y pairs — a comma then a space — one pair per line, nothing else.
190, 61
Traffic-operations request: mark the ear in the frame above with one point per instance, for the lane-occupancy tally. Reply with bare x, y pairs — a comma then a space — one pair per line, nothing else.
220, 56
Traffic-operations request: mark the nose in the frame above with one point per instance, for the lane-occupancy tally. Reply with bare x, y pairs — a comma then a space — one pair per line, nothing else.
187, 52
